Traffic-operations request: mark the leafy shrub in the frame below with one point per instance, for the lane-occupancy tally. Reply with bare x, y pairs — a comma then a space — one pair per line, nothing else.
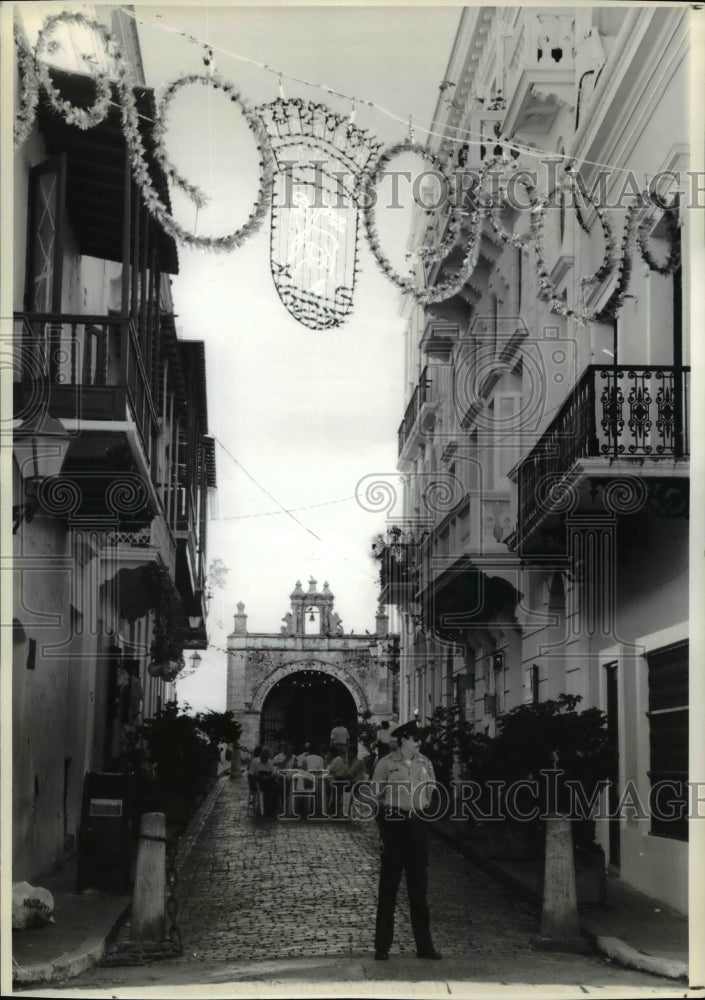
452, 738
552, 735
182, 751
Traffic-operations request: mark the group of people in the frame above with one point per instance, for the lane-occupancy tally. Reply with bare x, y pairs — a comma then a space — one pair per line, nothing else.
337, 760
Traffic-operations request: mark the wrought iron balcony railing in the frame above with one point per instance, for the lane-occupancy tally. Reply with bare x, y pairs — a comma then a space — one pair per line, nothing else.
617, 412
411, 415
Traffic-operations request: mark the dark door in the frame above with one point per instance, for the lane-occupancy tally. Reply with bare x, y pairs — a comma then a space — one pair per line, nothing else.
613, 734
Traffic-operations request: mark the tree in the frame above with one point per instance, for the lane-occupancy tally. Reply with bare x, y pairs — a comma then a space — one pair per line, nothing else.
216, 576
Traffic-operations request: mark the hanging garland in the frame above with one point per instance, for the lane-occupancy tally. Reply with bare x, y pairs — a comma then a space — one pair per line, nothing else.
364, 196
624, 269
521, 242
670, 214
29, 90
141, 173
264, 194
34, 76
452, 234
83, 118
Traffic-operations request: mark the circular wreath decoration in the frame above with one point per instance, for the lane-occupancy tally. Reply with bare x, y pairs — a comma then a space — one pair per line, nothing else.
365, 200
521, 242
264, 194
83, 118
670, 214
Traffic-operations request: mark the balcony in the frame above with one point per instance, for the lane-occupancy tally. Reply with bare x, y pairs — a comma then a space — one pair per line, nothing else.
418, 418
89, 372
617, 421
540, 70
397, 569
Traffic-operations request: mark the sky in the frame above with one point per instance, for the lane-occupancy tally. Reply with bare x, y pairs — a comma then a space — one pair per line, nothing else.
302, 415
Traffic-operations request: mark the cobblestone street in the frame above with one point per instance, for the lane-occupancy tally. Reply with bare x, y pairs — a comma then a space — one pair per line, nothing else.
271, 901
253, 889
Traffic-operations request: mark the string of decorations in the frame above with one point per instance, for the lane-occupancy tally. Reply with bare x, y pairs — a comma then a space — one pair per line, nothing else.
319, 312
462, 136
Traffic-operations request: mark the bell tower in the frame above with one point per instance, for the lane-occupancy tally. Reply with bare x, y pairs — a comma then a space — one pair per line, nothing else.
309, 602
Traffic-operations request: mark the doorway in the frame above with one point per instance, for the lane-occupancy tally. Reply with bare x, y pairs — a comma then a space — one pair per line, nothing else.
302, 708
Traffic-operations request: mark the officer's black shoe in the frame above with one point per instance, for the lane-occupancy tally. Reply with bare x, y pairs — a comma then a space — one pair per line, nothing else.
429, 953
381, 956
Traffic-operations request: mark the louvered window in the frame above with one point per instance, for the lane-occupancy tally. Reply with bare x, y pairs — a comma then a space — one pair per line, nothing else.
668, 739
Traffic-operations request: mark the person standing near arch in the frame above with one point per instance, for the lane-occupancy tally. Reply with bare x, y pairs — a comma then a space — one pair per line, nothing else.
339, 738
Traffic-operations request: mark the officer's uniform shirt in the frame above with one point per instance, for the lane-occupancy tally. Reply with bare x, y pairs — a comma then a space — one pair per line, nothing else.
404, 784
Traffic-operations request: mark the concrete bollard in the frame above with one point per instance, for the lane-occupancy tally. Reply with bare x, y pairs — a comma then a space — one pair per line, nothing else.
560, 926
148, 915
235, 762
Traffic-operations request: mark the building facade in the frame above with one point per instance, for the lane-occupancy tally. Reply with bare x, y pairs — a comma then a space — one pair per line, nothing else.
543, 545
112, 458
292, 685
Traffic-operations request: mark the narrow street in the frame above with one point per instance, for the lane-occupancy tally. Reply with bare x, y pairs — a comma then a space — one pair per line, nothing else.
267, 900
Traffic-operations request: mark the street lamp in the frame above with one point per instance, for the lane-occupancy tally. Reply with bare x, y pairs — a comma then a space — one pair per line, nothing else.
40, 445
194, 621
195, 660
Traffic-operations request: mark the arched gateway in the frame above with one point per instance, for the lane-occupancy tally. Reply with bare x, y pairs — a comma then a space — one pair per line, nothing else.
293, 684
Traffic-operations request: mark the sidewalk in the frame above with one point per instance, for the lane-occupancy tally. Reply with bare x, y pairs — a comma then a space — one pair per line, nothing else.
84, 921
629, 927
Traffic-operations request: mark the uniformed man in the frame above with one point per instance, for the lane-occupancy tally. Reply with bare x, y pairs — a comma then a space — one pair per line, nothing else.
403, 781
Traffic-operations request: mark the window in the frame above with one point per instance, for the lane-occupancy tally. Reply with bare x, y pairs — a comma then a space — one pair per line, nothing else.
534, 684
668, 739
460, 687
47, 184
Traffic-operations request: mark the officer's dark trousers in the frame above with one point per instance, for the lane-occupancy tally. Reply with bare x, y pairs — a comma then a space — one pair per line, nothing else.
404, 849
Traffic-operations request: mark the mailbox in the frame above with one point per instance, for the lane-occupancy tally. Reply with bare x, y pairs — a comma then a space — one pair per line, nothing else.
106, 832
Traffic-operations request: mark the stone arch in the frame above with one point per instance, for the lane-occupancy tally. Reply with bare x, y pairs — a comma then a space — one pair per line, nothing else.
263, 688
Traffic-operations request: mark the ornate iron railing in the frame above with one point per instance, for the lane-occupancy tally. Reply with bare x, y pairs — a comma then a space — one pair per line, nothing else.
615, 412
411, 415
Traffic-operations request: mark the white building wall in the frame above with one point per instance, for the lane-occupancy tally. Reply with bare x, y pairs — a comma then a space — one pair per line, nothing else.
632, 116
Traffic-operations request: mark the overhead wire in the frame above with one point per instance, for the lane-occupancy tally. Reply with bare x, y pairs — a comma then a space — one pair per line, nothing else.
289, 512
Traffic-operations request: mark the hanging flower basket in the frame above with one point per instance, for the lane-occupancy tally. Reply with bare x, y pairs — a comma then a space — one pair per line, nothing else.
168, 670
169, 632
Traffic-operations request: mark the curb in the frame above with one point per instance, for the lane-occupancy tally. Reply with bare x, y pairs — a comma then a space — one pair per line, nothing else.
612, 947
619, 951
75, 962
68, 965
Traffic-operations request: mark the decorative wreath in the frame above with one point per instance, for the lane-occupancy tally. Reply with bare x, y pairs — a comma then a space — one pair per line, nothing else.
365, 199
264, 195
83, 118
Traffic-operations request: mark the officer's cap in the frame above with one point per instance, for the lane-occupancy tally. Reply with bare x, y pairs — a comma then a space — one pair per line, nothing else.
410, 729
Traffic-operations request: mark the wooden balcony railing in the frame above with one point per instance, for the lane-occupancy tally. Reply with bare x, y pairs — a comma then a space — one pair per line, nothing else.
616, 412
77, 360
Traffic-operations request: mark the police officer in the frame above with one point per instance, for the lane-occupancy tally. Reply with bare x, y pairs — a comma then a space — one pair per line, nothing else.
403, 780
